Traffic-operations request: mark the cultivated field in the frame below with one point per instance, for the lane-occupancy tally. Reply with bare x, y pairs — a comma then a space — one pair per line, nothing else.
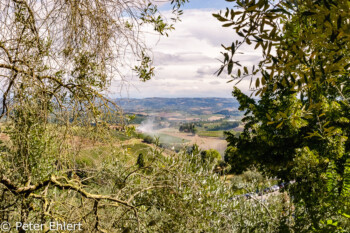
204, 143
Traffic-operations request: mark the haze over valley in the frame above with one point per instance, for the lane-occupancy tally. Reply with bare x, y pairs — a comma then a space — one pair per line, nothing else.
162, 117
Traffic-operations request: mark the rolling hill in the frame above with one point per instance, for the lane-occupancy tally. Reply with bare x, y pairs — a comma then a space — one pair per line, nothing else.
189, 105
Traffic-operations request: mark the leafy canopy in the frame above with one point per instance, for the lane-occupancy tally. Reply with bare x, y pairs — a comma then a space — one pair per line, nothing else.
298, 128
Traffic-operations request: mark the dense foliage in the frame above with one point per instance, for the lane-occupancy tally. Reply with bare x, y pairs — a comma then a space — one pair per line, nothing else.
224, 125
111, 190
188, 128
298, 128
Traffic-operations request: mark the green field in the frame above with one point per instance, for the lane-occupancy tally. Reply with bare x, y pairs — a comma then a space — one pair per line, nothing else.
165, 138
135, 149
217, 134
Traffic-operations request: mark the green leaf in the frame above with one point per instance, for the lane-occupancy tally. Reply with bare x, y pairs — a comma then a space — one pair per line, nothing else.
230, 67
280, 10
220, 70
279, 125
257, 82
268, 116
220, 18
228, 24
346, 182
274, 87
248, 41
245, 70
308, 13
233, 48
252, 8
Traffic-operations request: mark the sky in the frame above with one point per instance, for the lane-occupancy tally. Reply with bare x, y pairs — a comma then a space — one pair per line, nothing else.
187, 60
203, 4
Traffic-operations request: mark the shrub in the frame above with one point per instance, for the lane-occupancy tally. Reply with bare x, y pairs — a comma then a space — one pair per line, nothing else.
210, 156
148, 139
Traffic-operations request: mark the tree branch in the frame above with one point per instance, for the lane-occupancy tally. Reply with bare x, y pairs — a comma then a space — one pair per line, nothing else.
53, 180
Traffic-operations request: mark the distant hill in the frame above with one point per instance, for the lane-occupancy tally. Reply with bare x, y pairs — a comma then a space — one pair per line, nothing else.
228, 113
189, 105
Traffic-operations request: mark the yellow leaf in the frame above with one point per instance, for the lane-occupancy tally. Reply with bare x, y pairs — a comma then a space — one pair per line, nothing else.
279, 125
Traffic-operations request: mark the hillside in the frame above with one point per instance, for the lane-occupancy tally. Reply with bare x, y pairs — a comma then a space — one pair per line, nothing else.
189, 105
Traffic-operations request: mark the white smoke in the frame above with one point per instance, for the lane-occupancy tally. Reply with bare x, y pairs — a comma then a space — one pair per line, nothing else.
147, 127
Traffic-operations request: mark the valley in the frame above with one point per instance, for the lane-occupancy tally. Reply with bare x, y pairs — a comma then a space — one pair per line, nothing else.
162, 117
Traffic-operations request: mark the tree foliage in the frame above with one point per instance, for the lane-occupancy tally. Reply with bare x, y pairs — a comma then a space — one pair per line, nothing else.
298, 128
188, 128
210, 156
223, 125
57, 59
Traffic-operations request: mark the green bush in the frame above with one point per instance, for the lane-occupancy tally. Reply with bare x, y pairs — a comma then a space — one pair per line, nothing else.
148, 139
210, 156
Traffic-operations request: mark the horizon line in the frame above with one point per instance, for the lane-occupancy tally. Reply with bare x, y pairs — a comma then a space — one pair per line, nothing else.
173, 97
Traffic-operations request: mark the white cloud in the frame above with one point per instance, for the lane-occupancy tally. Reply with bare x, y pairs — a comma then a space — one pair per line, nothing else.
187, 60
215, 83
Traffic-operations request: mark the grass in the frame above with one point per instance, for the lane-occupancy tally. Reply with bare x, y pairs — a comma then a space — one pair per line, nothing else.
165, 138
130, 148
217, 134
136, 149
92, 157
121, 135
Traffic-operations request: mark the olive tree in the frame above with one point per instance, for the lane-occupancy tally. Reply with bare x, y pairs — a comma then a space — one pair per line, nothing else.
298, 128
57, 59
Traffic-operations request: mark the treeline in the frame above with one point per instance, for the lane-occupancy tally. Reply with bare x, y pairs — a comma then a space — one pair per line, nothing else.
225, 125
188, 128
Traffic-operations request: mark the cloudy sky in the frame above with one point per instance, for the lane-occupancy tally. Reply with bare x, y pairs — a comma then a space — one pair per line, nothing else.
187, 60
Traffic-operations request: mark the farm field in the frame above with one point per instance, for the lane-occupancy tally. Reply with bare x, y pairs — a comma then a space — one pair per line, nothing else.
216, 134
204, 143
